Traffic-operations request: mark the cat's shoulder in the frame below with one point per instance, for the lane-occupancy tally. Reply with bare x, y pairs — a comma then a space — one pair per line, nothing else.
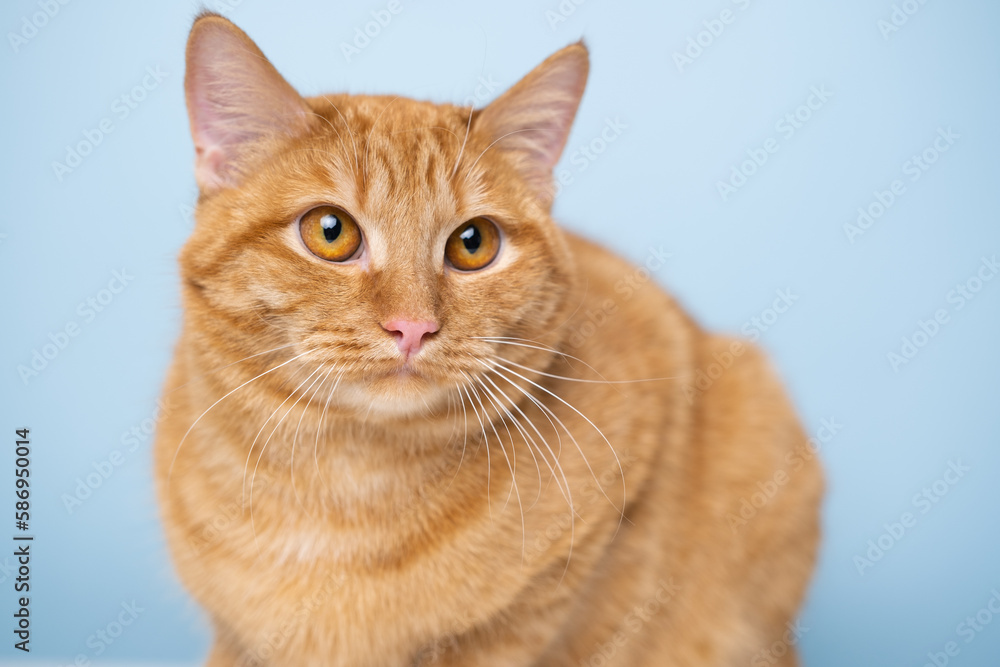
591, 251
618, 284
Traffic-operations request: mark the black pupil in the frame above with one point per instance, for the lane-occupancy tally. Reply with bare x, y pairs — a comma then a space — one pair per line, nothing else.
471, 238
331, 227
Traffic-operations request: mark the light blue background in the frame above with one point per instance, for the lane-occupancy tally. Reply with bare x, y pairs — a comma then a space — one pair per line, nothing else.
125, 207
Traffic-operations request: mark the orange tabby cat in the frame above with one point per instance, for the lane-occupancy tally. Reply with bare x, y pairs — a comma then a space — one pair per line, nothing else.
380, 447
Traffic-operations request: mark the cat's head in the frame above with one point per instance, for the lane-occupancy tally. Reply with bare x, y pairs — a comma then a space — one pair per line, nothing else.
393, 243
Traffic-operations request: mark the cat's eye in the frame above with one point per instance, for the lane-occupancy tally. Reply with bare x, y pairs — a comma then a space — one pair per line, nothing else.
473, 245
330, 233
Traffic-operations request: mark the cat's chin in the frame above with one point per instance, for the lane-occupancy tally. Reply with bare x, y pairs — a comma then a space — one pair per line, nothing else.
403, 392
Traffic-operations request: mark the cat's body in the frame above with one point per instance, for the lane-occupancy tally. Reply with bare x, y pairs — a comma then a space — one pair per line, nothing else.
330, 506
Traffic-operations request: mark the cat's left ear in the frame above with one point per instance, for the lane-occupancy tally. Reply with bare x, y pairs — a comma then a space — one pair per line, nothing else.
531, 121
236, 101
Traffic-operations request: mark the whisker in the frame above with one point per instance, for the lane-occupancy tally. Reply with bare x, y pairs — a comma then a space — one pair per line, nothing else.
326, 120
472, 109
526, 129
555, 455
489, 466
512, 461
517, 425
468, 126
500, 410
513, 476
190, 428
264, 448
621, 470
465, 434
319, 429
567, 494
246, 466
222, 368
537, 346
291, 458
571, 379
349, 130
486, 418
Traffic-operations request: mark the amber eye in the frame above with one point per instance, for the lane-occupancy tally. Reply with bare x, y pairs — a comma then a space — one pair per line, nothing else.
473, 245
330, 233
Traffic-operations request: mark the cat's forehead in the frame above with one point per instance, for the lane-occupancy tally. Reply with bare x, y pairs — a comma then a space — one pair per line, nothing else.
395, 124
397, 160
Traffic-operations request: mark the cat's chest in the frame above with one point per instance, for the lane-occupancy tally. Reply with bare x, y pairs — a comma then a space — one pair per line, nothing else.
331, 602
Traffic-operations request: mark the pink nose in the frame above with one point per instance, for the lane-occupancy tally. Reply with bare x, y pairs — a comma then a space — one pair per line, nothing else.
410, 334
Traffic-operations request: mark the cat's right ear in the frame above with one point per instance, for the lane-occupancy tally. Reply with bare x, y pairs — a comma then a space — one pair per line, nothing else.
531, 121
236, 100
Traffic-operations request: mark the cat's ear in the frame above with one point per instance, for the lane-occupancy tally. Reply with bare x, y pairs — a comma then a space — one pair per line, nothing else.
531, 121
235, 99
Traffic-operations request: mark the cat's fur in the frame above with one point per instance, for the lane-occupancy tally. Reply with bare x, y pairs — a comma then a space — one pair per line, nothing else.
327, 509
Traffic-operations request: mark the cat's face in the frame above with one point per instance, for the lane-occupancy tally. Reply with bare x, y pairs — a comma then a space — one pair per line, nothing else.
326, 222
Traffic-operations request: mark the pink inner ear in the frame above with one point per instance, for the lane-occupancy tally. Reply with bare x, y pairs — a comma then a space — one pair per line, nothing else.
209, 165
532, 120
235, 98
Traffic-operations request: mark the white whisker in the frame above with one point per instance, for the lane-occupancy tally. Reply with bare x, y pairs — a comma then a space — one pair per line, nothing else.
246, 466
517, 425
621, 510
222, 368
537, 346
468, 126
253, 477
571, 379
489, 466
526, 129
566, 492
188, 432
324, 119
465, 434
354, 143
319, 429
487, 420
513, 471
291, 458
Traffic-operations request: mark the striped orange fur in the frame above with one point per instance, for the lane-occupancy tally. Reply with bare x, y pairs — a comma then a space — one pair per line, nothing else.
500, 497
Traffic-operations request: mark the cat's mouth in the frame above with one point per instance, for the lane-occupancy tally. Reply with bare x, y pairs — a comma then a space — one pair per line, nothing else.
398, 372
396, 385
403, 372
402, 389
